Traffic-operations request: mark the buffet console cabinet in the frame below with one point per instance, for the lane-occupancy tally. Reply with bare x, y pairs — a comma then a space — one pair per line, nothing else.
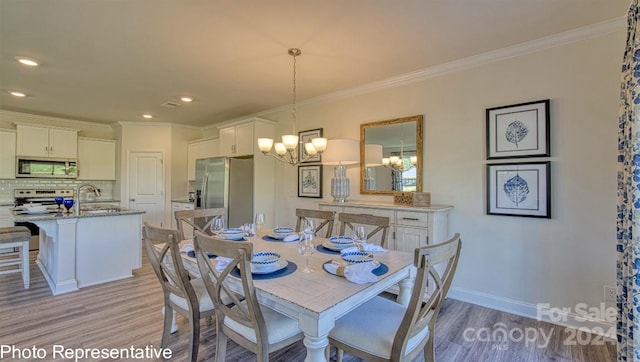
410, 227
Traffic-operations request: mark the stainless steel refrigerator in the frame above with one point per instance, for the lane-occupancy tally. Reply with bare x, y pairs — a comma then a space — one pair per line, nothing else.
226, 182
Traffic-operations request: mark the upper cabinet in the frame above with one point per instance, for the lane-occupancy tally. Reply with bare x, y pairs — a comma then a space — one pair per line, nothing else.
96, 159
237, 140
40, 141
7, 154
200, 149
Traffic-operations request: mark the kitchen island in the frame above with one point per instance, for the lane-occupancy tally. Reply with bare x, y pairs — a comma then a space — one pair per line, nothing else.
101, 244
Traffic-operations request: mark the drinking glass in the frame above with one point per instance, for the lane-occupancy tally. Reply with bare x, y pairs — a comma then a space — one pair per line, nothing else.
309, 227
68, 204
59, 200
249, 229
359, 236
217, 225
259, 221
306, 248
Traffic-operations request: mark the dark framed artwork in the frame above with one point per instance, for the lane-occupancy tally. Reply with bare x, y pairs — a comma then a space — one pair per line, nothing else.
310, 181
519, 189
519, 130
306, 137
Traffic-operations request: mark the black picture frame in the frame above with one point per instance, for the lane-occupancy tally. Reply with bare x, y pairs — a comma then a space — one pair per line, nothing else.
519, 189
519, 130
306, 137
310, 181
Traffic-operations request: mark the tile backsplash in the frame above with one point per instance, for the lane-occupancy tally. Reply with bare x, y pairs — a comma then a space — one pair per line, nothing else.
7, 186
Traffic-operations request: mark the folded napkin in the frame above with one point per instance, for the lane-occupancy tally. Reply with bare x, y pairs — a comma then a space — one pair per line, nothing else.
365, 247
356, 273
222, 262
292, 237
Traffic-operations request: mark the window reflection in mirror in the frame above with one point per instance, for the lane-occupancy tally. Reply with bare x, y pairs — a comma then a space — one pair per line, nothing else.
391, 156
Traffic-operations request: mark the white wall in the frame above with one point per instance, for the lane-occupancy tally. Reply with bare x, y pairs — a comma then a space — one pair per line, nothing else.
509, 263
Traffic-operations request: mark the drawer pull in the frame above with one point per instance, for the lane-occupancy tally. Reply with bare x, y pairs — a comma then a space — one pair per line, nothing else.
411, 218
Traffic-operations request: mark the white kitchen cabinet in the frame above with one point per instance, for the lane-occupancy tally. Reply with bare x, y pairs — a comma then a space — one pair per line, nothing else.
237, 140
7, 154
179, 206
39, 141
244, 134
200, 149
96, 159
6, 217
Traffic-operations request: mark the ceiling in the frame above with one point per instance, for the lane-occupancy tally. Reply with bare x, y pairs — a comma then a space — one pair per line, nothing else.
108, 61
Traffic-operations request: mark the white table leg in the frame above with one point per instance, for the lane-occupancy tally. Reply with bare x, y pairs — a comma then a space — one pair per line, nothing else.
315, 348
406, 287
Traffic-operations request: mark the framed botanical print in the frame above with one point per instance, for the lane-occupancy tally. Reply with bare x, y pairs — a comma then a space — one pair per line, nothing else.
306, 137
310, 181
519, 130
519, 189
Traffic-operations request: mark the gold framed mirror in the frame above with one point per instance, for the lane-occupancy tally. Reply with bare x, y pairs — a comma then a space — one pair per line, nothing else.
391, 156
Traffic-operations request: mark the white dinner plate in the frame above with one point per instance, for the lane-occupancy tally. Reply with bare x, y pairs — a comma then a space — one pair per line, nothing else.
277, 237
270, 268
331, 246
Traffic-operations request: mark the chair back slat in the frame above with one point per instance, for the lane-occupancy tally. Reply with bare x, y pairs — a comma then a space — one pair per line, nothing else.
381, 223
325, 219
167, 262
198, 219
247, 312
421, 313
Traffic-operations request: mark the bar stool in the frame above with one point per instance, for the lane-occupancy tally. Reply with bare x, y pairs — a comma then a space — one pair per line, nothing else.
16, 237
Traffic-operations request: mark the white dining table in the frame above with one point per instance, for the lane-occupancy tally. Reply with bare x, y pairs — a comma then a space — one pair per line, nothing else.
316, 300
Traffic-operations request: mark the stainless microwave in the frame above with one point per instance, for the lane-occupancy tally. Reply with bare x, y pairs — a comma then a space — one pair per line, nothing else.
49, 168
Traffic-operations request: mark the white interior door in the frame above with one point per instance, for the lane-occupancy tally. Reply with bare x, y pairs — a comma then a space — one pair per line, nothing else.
146, 185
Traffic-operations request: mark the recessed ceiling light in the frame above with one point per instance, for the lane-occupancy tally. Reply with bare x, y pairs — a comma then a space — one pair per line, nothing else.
147, 116
186, 99
17, 94
27, 61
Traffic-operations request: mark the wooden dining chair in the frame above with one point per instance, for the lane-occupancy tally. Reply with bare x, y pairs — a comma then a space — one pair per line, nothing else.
198, 219
323, 218
260, 330
183, 295
383, 330
350, 221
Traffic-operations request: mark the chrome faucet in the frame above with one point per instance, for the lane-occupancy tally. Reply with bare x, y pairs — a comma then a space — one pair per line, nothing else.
81, 186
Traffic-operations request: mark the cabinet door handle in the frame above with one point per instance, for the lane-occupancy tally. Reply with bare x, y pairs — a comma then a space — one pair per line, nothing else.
132, 200
411, 218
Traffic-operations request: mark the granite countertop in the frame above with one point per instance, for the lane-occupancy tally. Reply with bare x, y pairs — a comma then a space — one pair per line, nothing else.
99, 201
95, 210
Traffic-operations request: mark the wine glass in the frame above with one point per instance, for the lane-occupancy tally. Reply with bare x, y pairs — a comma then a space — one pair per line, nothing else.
359, 237
309, 227
68, 204
217, 225
306, 248
259, 221
59, 200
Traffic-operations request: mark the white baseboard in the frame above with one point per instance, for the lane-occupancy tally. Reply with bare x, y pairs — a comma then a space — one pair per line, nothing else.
565, 318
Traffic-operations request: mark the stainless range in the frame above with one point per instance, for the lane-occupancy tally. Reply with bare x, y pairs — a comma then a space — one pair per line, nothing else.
39, 196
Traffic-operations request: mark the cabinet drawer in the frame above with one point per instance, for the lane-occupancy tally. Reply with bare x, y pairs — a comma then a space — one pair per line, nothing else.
371, 211
408, 218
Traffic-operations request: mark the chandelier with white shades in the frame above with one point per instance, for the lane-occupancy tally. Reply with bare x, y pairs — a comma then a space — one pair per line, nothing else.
287, 150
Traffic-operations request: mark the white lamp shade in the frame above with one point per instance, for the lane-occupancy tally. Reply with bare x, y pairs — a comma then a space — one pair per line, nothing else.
343, 151
372, 155
290, 141
310, 149
280, 148
265, 144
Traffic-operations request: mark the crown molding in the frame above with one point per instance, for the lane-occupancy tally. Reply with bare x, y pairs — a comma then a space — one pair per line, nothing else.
37, 117
548, 42
156, 124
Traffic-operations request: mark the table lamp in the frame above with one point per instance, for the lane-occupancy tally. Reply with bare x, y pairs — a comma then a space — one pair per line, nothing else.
341, 152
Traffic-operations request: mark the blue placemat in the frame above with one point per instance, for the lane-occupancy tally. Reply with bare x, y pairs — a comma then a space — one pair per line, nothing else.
322, 249
381, 270
291, 267
193, 254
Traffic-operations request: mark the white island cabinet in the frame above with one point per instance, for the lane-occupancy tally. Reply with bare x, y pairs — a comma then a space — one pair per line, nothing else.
98, 246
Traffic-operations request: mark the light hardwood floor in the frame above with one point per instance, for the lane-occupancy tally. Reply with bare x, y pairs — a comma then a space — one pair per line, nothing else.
127, 313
